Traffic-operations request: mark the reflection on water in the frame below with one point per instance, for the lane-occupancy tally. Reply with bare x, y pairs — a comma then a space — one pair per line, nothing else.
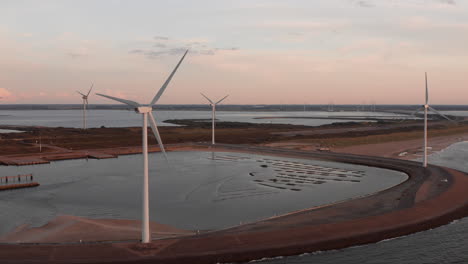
455, 113
212, 191
9, 131
446, 244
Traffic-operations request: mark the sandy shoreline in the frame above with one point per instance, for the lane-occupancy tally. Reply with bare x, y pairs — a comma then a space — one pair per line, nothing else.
408, 150
73, 229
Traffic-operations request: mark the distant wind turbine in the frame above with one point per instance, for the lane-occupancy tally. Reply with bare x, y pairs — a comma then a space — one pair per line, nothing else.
426, 108
213, 115
85, 104
146, 110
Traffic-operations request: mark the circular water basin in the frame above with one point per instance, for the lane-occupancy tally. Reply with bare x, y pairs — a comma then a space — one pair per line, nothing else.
196, 190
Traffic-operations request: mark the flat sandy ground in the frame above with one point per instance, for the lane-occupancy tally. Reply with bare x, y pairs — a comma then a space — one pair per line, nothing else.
402, 149
67, 228
407, 149
388, 139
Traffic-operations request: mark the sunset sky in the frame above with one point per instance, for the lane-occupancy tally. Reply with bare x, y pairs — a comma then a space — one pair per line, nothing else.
259, 52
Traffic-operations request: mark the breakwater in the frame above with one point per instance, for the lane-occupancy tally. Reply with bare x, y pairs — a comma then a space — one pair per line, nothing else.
17, 182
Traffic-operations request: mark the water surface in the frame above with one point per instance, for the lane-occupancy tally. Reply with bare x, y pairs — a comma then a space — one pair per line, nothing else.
3, 131
126, 118
197, 190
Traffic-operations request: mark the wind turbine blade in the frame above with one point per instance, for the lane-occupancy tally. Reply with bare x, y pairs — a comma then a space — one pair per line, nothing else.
427, 90
125, 101
211, 102
222, 99
163, 87
80, 93
442, 115
90, 89
417, 111
154, 127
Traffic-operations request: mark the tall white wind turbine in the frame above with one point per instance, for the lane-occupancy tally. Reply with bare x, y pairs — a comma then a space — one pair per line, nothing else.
213, 115
85, 104
428, 108
146, 110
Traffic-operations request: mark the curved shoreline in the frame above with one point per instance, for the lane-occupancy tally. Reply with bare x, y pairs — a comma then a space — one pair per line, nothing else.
429, 198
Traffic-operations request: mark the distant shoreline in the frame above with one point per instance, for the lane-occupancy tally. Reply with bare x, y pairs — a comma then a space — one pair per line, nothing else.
408, 109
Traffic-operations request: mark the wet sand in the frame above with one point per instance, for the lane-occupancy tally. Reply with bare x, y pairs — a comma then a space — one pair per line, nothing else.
431, 197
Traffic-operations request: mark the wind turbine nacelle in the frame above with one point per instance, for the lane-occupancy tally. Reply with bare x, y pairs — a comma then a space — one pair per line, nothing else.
143, 109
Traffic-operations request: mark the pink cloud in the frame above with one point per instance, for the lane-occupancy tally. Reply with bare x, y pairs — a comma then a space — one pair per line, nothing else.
63, 95
304, 25
424, 23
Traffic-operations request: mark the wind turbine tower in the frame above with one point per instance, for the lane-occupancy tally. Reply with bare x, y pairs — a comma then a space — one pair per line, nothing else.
146, 110
85, 104
213, 115
428, 108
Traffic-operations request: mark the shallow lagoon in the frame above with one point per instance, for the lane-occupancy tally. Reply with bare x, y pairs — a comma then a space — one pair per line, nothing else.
196, 190
126, 118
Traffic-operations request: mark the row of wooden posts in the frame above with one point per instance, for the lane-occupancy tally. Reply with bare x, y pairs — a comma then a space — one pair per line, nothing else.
17, 178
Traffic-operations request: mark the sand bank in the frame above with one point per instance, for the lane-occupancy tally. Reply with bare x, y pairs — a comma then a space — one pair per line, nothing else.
402, 149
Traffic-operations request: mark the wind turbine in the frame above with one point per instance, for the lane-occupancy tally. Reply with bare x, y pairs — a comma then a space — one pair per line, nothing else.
85, 104
146, 110
213, 115
428, 108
